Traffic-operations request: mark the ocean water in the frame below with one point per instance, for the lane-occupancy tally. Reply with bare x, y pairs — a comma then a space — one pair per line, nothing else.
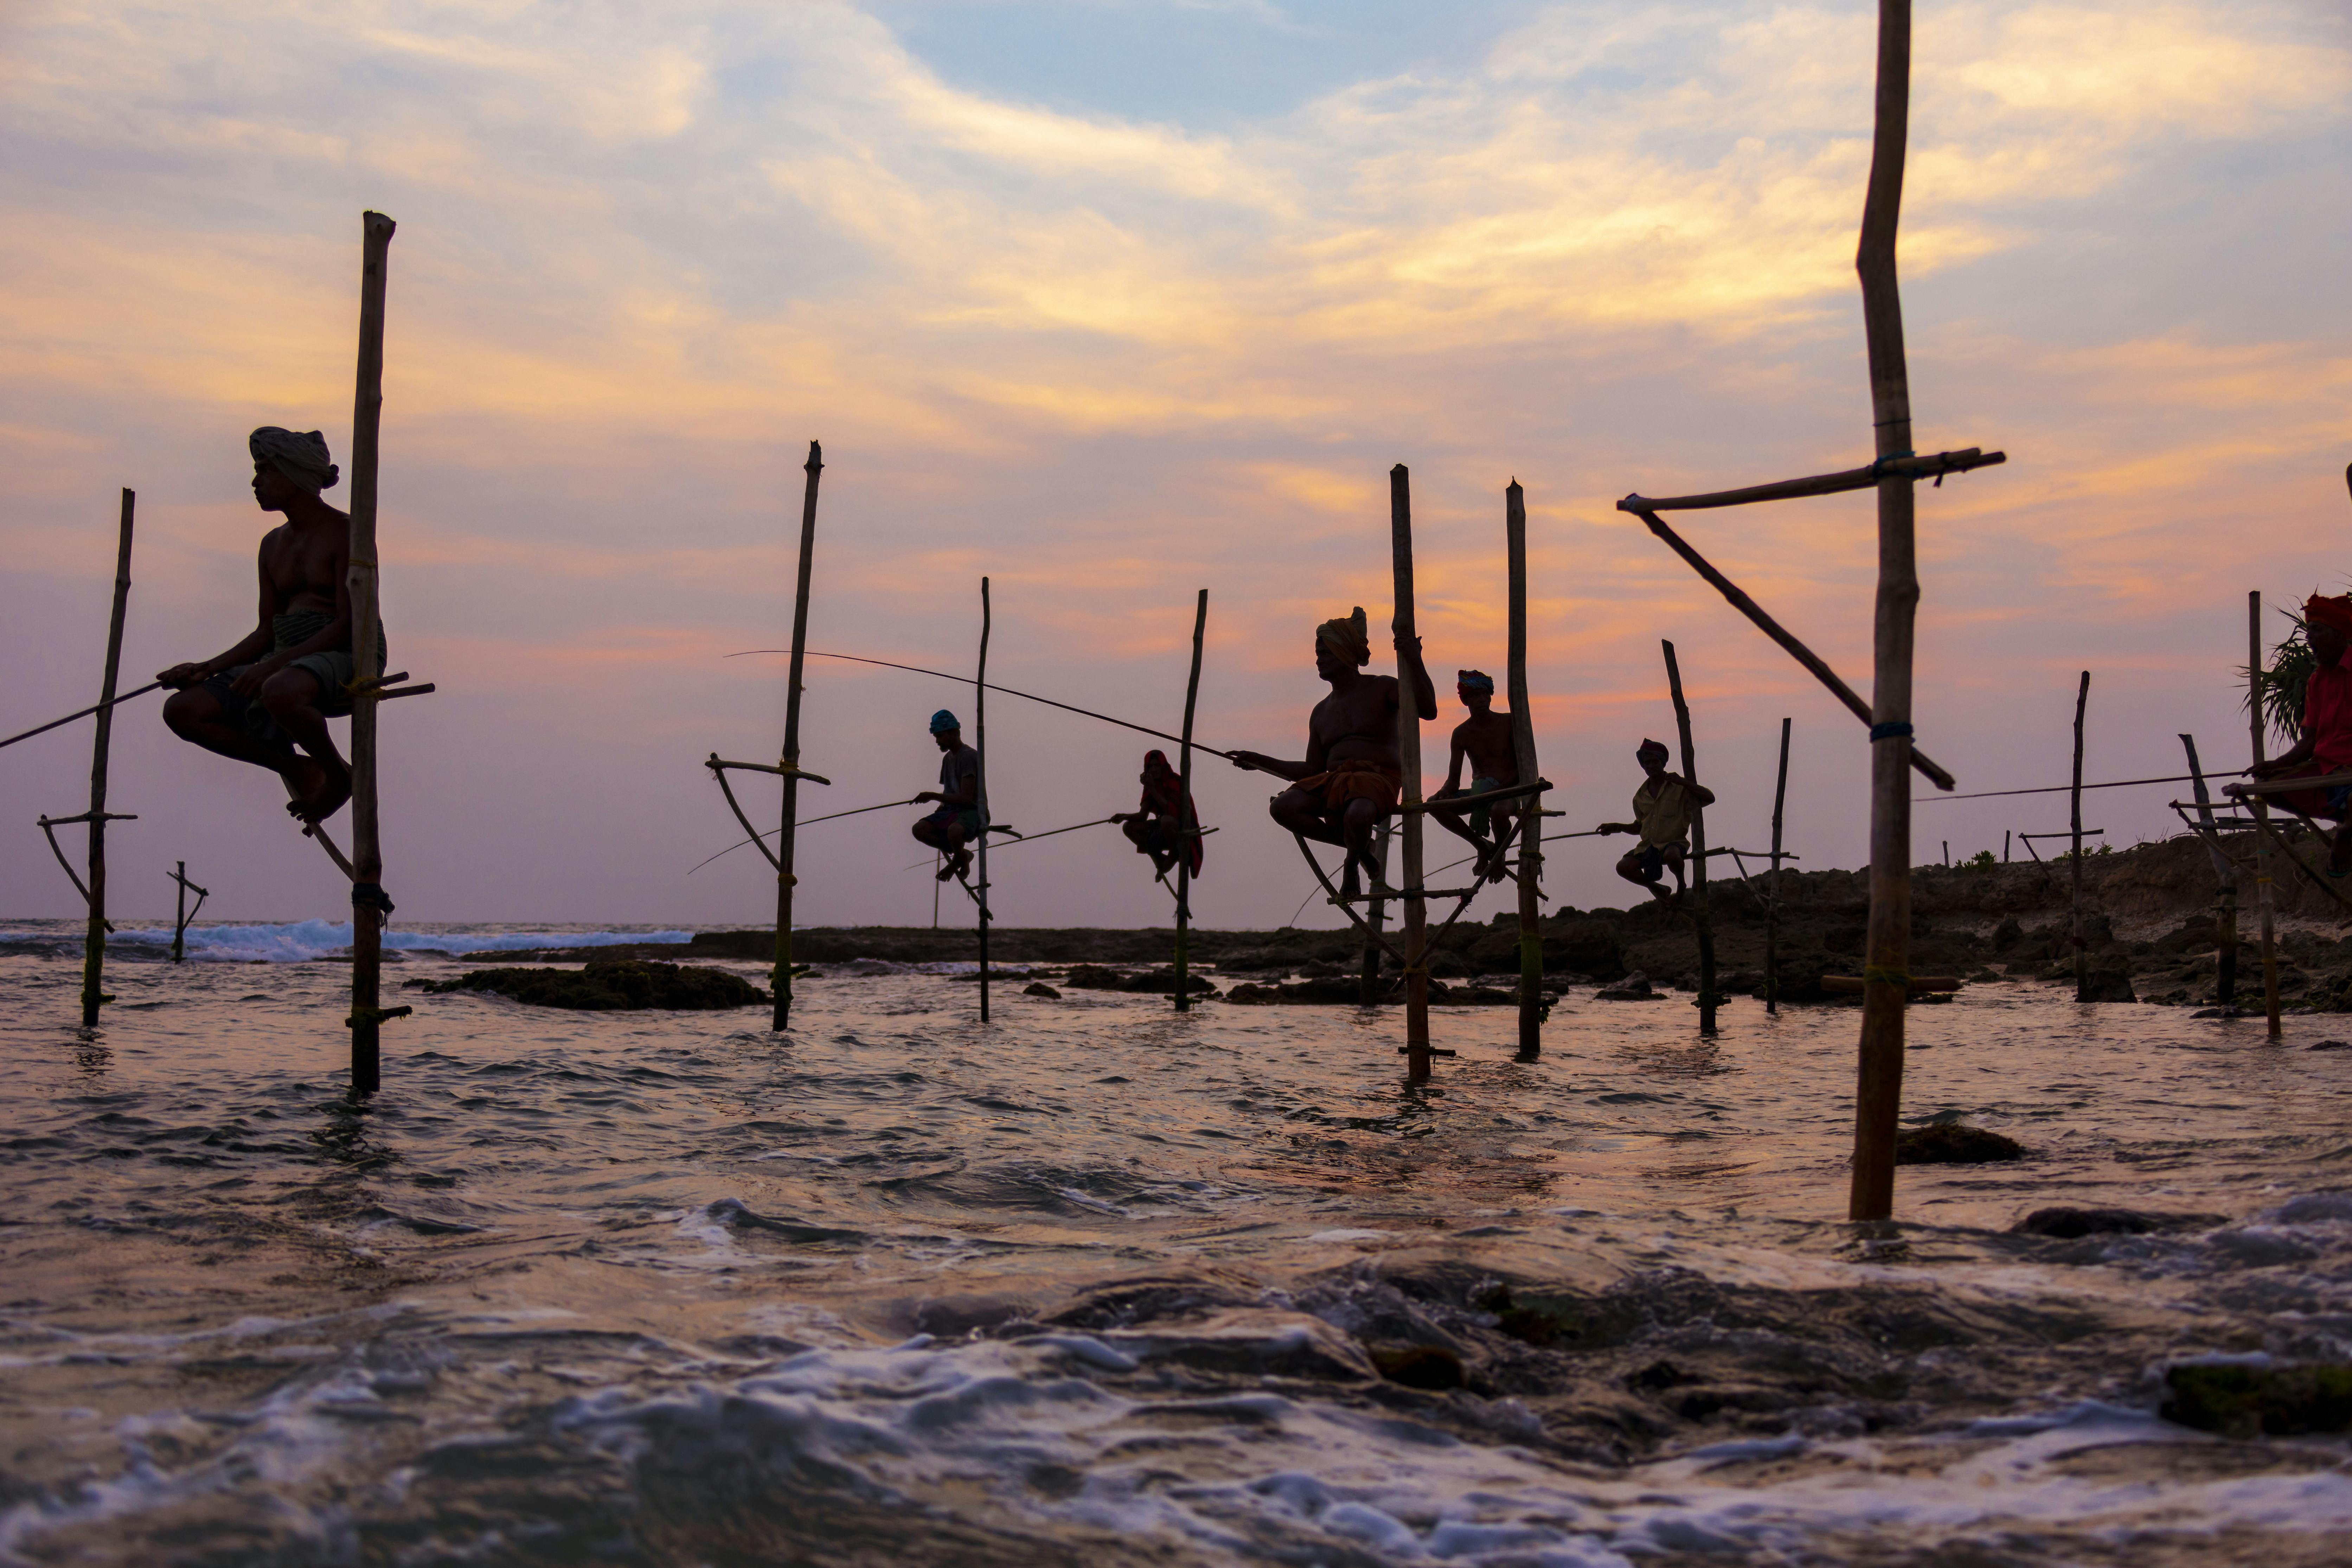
1097, 1284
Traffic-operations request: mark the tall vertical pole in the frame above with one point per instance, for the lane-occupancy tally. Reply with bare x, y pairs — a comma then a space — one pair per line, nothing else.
370, 907
2263, 898
1772, 891
979, 746
180, 914
781, 982
2075, 796
1701, 918
2225, 909
1187, 830
93, 945
1886, 965
1523, 756
1416, 909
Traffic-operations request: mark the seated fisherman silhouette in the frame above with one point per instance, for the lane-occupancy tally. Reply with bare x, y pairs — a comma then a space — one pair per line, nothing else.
956, 824
268, 700
2326, 746
1353, 772
1662, 816
1485, 739
1166, 824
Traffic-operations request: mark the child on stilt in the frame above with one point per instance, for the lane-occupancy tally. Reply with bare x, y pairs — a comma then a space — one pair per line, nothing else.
1662, 816
956, 826
1165, 825
1483, 740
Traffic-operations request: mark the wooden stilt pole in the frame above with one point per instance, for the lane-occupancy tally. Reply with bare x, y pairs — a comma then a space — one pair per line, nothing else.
1523, 755
2263, 898
980, 745
2225, 904
1186, 829
180, 914
370, 907
1701, 918
1416, 911
2082, 959
1772, 893
785, 882
93, 948
1886, 979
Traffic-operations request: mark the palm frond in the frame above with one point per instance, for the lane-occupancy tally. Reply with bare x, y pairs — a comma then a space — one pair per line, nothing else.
2279, 688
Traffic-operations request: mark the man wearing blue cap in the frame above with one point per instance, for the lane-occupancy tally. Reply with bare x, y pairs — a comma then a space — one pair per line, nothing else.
1484, 740
958, 822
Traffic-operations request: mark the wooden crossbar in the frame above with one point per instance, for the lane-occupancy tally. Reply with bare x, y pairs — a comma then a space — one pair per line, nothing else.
1934, 466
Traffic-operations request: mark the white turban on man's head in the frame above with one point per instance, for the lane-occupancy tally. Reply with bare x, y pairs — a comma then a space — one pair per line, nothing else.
300, 455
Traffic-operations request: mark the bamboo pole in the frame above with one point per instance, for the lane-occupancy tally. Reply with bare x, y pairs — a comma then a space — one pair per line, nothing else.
2263, 898
1701, 919
2082, 959
1523, 755
1878, 1079
2225, 904
1187, 831
78, 713
980, 748
781, 981
93, 948
1772, 894
370, 907
1416, 911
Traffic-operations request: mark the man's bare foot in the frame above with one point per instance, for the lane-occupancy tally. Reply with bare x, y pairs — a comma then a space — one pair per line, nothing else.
958, 863
1660, 894
304, 777
327, 797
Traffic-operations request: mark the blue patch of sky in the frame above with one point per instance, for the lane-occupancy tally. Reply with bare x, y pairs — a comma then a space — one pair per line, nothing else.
1205, 65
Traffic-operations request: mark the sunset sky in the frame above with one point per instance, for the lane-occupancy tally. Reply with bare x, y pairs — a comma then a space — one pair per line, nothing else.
1111, 301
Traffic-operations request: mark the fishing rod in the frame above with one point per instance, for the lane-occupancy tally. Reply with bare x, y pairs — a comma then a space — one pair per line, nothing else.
43, 728
807, 821
1009, 691
2062, 789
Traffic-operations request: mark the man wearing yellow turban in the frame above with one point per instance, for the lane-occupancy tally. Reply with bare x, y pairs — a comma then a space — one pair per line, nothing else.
1353, 771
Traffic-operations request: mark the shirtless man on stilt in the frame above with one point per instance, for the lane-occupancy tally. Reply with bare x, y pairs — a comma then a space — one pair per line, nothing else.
268, 700
1485, 739
1352, 773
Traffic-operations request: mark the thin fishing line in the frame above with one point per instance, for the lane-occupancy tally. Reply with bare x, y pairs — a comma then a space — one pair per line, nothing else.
806, 822
2062, 789
1009, 691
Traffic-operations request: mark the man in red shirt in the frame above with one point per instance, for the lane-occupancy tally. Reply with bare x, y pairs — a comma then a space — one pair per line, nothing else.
2325, 747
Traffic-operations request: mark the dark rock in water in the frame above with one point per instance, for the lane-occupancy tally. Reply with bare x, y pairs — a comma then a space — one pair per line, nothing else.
1162, 981
2261, 1401
1039, 988
2108, 985
1953, 1144
2071, 1223
1418, 1366
1634, 987
2332, 1046
617, 988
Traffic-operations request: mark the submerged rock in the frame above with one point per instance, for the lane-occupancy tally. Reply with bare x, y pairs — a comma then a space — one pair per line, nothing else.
2259, 1401
1634, 987
1953, 1144
2067, 1223
617, 988
1039, 988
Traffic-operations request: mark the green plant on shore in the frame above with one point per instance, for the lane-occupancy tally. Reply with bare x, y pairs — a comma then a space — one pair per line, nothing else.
2279, 688
1982, 859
